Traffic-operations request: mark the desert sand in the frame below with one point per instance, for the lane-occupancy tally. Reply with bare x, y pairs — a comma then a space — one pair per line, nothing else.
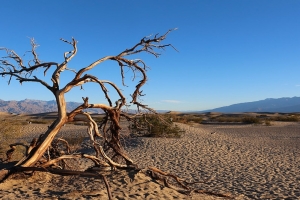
246, 161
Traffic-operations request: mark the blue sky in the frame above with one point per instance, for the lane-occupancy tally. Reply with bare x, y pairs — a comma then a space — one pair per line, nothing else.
230, 51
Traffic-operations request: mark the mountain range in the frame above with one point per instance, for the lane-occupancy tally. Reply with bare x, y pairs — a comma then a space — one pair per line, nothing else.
283, 105
31, 106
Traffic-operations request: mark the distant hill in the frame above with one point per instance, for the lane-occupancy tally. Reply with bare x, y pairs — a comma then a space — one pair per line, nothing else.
30, 106
36, 106
283, 105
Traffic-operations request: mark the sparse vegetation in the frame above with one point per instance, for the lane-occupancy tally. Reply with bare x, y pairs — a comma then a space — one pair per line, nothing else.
289, 118
254, 119
185, 118
227, 119
268, 123
232, 118
237, 119
154, 126
251, 120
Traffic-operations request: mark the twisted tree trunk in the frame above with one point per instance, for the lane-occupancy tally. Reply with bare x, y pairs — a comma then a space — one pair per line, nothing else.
109, 130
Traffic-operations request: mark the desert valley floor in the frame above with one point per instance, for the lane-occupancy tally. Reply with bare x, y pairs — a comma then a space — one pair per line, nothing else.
246, 161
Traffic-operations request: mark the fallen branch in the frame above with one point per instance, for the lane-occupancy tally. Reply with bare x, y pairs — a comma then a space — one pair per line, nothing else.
96, 160
107, 187
157, 174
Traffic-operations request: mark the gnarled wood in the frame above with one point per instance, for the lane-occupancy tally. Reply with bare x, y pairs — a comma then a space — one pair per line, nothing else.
43, 151
162, 176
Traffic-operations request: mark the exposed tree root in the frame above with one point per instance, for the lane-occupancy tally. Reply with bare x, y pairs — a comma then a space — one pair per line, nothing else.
107, 187
169, 180
64, 172
157, 174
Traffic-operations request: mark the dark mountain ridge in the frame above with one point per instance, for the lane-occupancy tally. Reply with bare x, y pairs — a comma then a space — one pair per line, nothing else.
282, 105
31, 106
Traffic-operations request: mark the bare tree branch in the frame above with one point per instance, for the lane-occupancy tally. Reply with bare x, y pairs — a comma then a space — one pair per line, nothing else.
48, 151
67, 56
107, 187
34, 46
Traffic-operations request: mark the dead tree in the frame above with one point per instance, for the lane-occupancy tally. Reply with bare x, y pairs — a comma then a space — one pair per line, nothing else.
13, 67
43, 154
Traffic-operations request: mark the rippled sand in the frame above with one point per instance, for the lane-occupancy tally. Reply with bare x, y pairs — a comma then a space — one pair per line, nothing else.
248, 161
258, 161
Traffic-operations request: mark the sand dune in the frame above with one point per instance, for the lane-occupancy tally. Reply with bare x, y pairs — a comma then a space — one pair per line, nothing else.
247, 161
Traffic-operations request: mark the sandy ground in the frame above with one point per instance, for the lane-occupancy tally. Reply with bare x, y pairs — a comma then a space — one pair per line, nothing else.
247, 161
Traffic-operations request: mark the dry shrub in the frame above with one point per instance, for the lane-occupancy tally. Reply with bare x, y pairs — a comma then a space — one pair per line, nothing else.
290, 118
251, 120
238, 119
185, 119
228, 119
155, 126
268, 123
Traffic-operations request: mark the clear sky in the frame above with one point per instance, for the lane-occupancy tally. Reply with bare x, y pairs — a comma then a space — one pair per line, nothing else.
230, 51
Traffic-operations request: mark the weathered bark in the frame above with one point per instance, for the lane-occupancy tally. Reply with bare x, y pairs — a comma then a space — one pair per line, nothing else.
157, 174
44, 142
